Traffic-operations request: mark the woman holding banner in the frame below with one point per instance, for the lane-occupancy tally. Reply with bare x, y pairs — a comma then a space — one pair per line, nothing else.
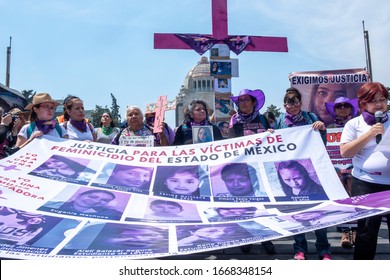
293, 117
77, 126
370, 173
135, 128
41, 120
248, 119
195, 114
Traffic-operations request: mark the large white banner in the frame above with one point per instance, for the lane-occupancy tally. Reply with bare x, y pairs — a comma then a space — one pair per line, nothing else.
71, 199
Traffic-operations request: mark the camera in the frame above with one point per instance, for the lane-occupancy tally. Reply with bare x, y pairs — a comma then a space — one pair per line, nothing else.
14, 118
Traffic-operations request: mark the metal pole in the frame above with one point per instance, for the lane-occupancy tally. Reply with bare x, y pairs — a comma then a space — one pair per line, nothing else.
368, 54
7, 75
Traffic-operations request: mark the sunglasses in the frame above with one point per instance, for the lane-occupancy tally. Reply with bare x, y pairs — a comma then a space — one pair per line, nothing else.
342, 105
291, 104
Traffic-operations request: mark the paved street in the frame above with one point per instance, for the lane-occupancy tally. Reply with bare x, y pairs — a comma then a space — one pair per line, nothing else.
284, 249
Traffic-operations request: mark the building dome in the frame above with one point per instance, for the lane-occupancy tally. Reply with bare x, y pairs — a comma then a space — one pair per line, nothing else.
198, 84
202, 69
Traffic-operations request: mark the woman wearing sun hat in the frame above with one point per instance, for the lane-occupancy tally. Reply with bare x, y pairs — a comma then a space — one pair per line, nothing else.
248, 119
342, 110
41, 120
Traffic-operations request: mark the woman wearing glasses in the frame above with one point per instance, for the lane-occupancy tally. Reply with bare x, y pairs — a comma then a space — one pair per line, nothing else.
294, 116
370, 172
41, 120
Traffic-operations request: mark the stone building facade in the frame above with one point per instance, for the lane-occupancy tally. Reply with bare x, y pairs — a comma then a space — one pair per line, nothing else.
198, 84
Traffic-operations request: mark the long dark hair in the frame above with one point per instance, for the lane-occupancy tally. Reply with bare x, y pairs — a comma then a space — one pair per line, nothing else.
112, 123
292, 164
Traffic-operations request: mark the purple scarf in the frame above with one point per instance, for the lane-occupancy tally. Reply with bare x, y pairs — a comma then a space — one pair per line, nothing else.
340, 122
295, 120
241, 118
370, 118
45, 126
202, 123
80, 125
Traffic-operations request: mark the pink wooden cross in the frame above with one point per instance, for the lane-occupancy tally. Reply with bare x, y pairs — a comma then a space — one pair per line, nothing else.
203, 42
159, 108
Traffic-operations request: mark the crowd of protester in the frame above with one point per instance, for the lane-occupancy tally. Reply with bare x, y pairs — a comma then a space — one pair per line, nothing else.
357, 117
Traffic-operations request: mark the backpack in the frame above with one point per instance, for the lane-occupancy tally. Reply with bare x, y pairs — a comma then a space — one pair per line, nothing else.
32, 126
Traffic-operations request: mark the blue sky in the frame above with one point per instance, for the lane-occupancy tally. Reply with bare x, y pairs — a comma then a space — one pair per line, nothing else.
91, 48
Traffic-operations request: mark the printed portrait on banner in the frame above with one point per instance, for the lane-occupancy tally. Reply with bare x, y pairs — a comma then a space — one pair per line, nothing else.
183, 182
88, 202
294, 180
319, 87
128, 178
237, 182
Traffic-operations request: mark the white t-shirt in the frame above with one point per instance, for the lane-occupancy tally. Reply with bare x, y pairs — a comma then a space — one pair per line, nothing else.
76, 134
367, 165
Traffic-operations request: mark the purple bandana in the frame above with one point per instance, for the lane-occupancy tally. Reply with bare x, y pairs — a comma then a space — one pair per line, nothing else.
242, 118
80, 125
295, 120
45, 126
370, 118
202, 123
340, 122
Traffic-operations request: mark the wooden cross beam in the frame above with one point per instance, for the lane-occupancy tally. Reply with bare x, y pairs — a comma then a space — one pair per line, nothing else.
203, 42
159, 108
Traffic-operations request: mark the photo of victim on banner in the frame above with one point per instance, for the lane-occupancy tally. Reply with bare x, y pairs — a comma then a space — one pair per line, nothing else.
183, 182
128, 178
295, 180
319, 87
225, 214
39, 233
118, 239
68, 169
237, 182
88, 202
157, 210
319, 217
194, 237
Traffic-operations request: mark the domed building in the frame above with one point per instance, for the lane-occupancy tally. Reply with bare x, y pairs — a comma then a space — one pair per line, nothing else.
198, 84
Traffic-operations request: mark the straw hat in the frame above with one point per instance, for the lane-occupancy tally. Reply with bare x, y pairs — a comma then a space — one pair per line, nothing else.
41, 98
17, 111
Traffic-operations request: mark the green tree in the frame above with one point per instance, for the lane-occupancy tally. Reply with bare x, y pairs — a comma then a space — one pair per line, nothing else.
29, 95
115, 111
276, 111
